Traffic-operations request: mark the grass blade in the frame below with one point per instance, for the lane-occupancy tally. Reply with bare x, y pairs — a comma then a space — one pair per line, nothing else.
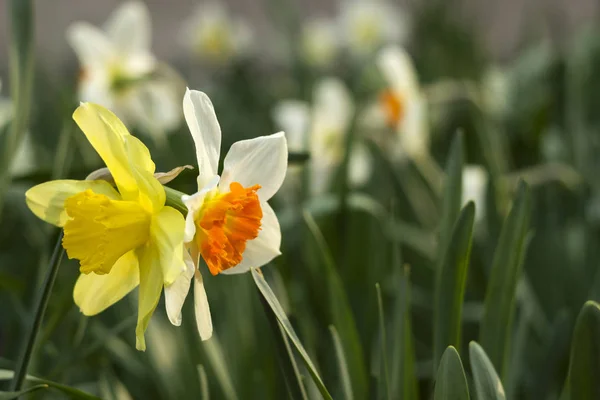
486, 381
215, 356
584, 368
269, 296
342, 364
69, 391
450, 285
506, 267
450, 381
384, 353
16, 395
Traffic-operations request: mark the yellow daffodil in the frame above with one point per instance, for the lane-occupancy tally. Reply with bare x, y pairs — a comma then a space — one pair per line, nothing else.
229, 222
122, 237
322, 128
214, 35
119, 71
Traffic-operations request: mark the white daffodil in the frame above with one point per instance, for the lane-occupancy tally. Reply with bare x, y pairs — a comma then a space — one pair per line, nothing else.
369, 24
214, 35
322, 129
320, 42
474, 187
119, 71
229, 222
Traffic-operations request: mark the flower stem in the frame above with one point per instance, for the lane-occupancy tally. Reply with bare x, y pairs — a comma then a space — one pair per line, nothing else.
40, 308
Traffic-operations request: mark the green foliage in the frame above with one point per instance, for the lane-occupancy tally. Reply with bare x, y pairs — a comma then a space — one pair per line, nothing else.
450, 380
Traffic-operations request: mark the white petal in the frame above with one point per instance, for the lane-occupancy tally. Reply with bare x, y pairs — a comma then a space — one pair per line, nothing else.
360, 167
413, 130
206, 132
203, 319
293, 117
90, 44
262, 161
176, 293
265, 247
398, 70
475, 181
193, 204
129, 27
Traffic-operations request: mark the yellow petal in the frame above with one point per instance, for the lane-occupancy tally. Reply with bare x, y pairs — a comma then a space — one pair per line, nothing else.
94, 293
151, 284
151, 194
47, 200
167, 234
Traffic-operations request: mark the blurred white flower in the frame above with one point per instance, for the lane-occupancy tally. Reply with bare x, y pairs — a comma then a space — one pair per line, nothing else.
119, 71
214, 35
369, 24
495, 91
320, 42
474, 188
323, 127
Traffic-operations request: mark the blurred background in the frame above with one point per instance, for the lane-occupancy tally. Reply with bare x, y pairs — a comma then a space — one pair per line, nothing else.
397, 115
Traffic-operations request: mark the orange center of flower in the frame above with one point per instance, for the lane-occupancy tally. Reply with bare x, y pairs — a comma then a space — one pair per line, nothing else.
393, 107
226, 222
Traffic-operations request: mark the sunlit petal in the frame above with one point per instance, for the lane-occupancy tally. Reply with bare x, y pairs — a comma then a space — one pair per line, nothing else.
167, 231
202, 310
91, 45
151, 284
176, 293
129, 27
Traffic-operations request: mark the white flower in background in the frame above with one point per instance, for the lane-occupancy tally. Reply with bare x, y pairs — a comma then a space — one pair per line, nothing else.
495, 91
322, 128
474, 186
320, 42
229, 222
214, 35
369, 24
119, 71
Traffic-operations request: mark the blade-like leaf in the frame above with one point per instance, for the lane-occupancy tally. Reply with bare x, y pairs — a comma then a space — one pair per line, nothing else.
486, 381
214, 353
69, 391
450, 381
506, 267
16, 395
384, 373
269, 296
452, 199
450, 284
342, 364
341, 313
584, 369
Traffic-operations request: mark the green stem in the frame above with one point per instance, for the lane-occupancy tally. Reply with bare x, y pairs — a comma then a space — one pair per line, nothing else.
174, 200
40, 308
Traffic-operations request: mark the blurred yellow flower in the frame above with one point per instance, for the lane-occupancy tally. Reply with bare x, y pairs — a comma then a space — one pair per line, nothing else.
213, 35
229, 222
122, 237
119, 71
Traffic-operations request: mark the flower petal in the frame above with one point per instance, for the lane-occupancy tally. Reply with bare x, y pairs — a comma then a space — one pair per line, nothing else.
94, 293
265, 247
47, 200
206, 132
293, 116
150, 192
129, 27
91, 45
176, 293
202, 310
166, 177
398, 70
167, 230
261, 161
151, 284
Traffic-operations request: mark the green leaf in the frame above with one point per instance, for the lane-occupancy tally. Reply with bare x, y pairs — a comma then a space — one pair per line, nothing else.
486, 381
341, 313
584, 369
506, 267
216, 358
70, 391
450, 381
205, 390
16, 395
384, 353
452, 199
450, 284
269, 296
342, 364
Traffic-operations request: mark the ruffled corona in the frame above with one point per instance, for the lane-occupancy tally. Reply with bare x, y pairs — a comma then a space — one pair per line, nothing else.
224, 225
101, 230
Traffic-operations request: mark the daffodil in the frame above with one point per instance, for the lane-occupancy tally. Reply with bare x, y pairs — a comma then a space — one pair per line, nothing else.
214, 35
320, 42
124, 236
322, 128
367, 25
119, 71
474, 186
229, 222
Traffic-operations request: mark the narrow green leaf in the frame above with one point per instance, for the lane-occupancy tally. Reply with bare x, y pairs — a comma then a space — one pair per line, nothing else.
506, 267
69, 391
486, 381
450, 284
216, 358
450, 381
269, 296
342, 364
452, 199
584, 369
16, 395
205, 394
383, 339
341, 313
